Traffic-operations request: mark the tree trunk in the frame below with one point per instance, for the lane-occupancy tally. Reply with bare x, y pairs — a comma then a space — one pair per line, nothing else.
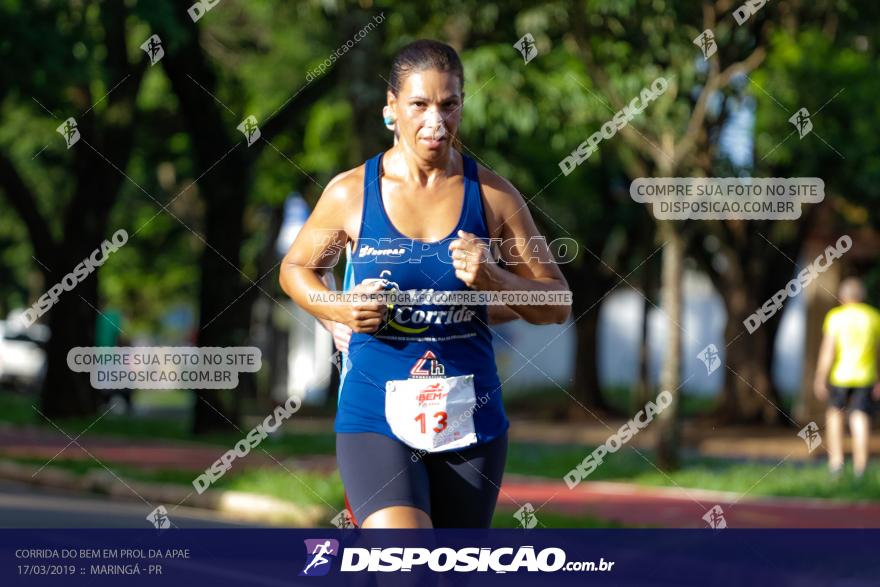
72, 318
749, 396
585, 388
363, 71
668, 432
72, 324
223, 317
223, 312
755, 271
643, 390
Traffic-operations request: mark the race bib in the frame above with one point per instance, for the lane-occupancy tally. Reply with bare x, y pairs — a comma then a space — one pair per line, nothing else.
432, 414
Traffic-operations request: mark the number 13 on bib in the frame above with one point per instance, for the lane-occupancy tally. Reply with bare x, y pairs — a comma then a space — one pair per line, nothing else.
432, 414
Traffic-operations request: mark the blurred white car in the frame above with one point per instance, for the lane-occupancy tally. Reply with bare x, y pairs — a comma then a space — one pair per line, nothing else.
23, 355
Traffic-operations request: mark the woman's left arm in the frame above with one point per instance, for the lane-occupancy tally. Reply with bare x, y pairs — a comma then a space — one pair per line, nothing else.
530, 265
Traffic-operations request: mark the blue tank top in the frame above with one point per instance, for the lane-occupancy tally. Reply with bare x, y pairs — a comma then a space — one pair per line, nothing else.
458, 336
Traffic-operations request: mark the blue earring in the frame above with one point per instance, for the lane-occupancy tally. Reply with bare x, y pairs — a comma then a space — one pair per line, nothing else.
387, 117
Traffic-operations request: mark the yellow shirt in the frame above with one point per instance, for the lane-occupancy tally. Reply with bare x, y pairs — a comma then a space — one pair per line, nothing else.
856, 332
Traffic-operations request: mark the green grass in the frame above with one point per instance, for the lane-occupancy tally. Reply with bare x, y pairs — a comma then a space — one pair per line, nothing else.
172, 398
83, 466
299, 444
504, 519
787, 480
296, 486
301, 487
18, 410
555, 460
550, 401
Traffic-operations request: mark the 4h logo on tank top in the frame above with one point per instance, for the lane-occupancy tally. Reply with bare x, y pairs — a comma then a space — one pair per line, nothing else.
428, 366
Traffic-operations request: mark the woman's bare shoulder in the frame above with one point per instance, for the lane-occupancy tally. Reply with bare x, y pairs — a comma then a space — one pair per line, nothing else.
346, 188
501, 197
342, 201
497, 186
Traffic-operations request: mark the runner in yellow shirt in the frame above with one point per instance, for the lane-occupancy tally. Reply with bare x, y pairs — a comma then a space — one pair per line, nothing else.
846, 374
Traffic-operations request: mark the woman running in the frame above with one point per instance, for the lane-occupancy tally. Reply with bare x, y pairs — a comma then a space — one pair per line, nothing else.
421, 433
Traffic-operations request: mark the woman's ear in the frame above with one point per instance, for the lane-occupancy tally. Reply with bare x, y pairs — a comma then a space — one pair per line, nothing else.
388, 111
388, 118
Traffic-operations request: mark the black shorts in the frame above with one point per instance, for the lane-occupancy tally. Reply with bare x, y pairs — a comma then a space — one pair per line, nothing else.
856, 398
457, 489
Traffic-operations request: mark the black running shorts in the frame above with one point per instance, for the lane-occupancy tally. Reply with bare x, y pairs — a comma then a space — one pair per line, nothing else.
856, 398
457, 489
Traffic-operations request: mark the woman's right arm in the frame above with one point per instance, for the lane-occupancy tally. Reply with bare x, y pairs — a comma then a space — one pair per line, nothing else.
316, 250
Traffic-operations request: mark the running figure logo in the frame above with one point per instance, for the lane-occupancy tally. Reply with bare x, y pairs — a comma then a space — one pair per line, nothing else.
159, 518
317, 562
69, 131
706, 42
249, 129
715, 518
801, 121
153, 48
526, 46
526, 516
810, 434
710, 358
343, 520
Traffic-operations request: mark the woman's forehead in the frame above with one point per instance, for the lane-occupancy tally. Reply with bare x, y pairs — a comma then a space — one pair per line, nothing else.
431, 83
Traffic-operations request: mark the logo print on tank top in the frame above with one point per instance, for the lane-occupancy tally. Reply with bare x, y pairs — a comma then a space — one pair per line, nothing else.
399, 314
389, 285
428, 366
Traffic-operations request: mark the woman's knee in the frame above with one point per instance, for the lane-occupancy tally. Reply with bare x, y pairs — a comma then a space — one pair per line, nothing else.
398, 516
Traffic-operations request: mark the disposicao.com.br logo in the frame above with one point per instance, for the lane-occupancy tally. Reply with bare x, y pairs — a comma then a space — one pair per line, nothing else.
318, 553
442, 559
